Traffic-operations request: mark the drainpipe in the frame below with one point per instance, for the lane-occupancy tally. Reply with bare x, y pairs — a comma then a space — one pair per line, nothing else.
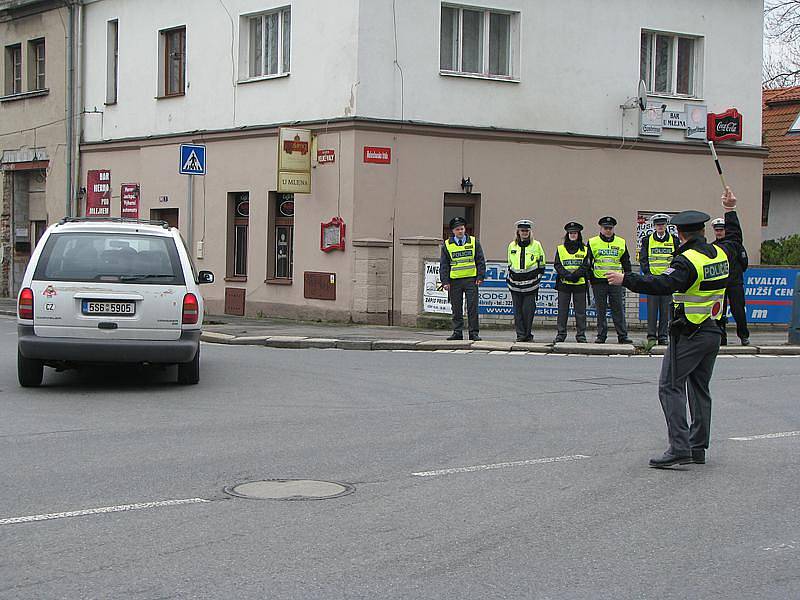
70, 101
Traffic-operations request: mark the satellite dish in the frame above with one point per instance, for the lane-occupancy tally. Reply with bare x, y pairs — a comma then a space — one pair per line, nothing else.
642, 97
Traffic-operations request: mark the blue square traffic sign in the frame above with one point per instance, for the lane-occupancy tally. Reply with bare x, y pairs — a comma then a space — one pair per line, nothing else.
193, 159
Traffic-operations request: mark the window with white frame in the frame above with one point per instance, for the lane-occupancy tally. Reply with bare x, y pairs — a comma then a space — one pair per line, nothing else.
267, 43
477, 41
668, 63
36, 71
112, 61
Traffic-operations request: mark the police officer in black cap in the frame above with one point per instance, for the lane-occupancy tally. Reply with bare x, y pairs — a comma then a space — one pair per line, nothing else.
608, 252
571, 282
696, 278
462, 268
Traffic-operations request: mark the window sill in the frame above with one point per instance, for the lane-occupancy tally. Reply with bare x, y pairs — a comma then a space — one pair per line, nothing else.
675, 97
236, 279
278, 281
502, 78
263, 78
24, 95
166, 97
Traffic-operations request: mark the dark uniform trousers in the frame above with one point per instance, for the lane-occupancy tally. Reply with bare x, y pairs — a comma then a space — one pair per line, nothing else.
693, 363
604, 295
659, 309
734, 296
576, 294
458, 289
524, 311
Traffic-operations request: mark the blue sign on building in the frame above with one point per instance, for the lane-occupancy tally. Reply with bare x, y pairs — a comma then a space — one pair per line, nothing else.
768, 293
193, 159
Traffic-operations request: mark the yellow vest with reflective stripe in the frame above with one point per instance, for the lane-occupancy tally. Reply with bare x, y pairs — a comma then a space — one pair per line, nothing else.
703, 299
462, 258
607, 256
660, 253
571, 262
518, 279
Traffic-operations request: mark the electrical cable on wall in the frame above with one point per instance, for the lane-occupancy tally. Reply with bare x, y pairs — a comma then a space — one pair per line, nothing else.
233, 61
397, 64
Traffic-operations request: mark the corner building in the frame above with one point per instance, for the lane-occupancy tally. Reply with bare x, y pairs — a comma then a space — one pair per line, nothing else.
532, 103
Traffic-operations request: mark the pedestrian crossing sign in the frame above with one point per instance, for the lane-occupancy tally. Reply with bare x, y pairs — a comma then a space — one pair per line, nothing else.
193, 159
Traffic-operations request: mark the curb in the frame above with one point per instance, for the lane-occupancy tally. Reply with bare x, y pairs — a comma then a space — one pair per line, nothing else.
299, 342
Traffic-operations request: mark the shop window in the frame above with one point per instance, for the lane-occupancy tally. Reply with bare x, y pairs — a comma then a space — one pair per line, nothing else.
765, 197
466, 206
172, 66
477, 41
112, 61
168, 215
266, 44
668, 63
13, 70
36, 57
280, 239
238, 230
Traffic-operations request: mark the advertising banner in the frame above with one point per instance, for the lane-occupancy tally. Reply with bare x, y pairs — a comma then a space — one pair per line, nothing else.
129, 201
98, 193
768, 293
294, 161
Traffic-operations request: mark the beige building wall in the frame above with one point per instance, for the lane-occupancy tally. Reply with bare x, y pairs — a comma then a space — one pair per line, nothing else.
32, 133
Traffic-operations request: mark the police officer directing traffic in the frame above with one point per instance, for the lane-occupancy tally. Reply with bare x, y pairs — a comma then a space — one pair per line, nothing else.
734, 293
654, 258
462, 268
525, 267
696, 278
571, 282
608, 252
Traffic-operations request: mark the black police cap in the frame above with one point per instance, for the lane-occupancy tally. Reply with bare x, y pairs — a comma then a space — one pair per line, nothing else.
456, 221
690, 220
607, 222
573, 226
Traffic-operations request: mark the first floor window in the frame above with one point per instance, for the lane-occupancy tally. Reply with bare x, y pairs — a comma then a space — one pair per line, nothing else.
269, 43
280, 249
13, 74
37, 62
238, 230
667, 63
112, 61
765, 197
174, 61
476, 41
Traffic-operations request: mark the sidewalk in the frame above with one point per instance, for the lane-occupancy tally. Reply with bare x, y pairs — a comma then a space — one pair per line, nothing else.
283, 333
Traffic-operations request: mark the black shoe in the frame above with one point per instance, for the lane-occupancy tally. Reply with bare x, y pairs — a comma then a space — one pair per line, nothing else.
456, 336
624, 340
559, 339
521, 338
581, 340
668, 459
663, 342
745, 341
698, 456
528, 339
599, 341
475, 338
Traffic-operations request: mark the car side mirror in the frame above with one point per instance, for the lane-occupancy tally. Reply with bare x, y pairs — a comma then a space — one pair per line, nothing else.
205, 277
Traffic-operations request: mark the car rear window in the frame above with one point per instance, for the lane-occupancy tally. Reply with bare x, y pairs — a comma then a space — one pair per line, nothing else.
112, 257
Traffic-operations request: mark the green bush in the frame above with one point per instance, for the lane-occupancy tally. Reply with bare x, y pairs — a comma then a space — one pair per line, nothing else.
784, 251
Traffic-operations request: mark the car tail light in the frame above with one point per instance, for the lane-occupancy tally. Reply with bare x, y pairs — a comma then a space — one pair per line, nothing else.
25, 305
191, 309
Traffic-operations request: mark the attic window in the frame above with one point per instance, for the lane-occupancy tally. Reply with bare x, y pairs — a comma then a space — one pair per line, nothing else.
795, 128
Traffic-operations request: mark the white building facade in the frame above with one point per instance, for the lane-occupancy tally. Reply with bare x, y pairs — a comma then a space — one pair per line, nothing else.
533, 102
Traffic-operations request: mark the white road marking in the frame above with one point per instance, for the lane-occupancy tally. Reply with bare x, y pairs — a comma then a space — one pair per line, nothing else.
104, 509
766, 436
504, 465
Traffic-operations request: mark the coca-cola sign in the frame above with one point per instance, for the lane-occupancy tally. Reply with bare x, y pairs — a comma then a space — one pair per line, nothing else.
725, 126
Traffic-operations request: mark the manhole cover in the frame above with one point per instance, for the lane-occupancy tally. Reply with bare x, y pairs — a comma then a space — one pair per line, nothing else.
290, 489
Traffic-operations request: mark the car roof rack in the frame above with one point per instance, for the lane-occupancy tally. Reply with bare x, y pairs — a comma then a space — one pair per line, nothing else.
160, 223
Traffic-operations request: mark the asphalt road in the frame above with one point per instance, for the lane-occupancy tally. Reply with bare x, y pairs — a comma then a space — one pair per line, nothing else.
595, 524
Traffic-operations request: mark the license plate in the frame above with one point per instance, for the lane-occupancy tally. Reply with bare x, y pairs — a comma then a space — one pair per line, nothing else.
104, 307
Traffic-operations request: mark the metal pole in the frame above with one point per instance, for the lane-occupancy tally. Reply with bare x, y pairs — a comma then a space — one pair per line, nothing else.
70, 102
189, 207
794, 326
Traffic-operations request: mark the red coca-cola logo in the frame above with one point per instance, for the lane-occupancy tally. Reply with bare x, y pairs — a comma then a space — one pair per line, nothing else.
725, 126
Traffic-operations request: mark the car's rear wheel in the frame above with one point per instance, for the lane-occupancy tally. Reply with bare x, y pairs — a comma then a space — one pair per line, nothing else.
29, 371
189, 372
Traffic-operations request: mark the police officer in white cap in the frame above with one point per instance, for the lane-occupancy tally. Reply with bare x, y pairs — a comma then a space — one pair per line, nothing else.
696, 279
525, 267
734, 293
655, 256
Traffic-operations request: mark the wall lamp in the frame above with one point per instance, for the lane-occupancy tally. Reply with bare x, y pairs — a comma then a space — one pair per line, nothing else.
466, 185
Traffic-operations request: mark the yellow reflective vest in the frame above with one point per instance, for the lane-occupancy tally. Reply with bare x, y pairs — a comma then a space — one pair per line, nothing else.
703, 299
524, 263
606, 256
572, 262
462, 258
660, 254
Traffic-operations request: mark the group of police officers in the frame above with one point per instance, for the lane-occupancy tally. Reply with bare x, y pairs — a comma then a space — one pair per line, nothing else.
684, 276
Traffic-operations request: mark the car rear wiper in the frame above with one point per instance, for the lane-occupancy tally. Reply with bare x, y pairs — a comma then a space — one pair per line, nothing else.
144, 276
